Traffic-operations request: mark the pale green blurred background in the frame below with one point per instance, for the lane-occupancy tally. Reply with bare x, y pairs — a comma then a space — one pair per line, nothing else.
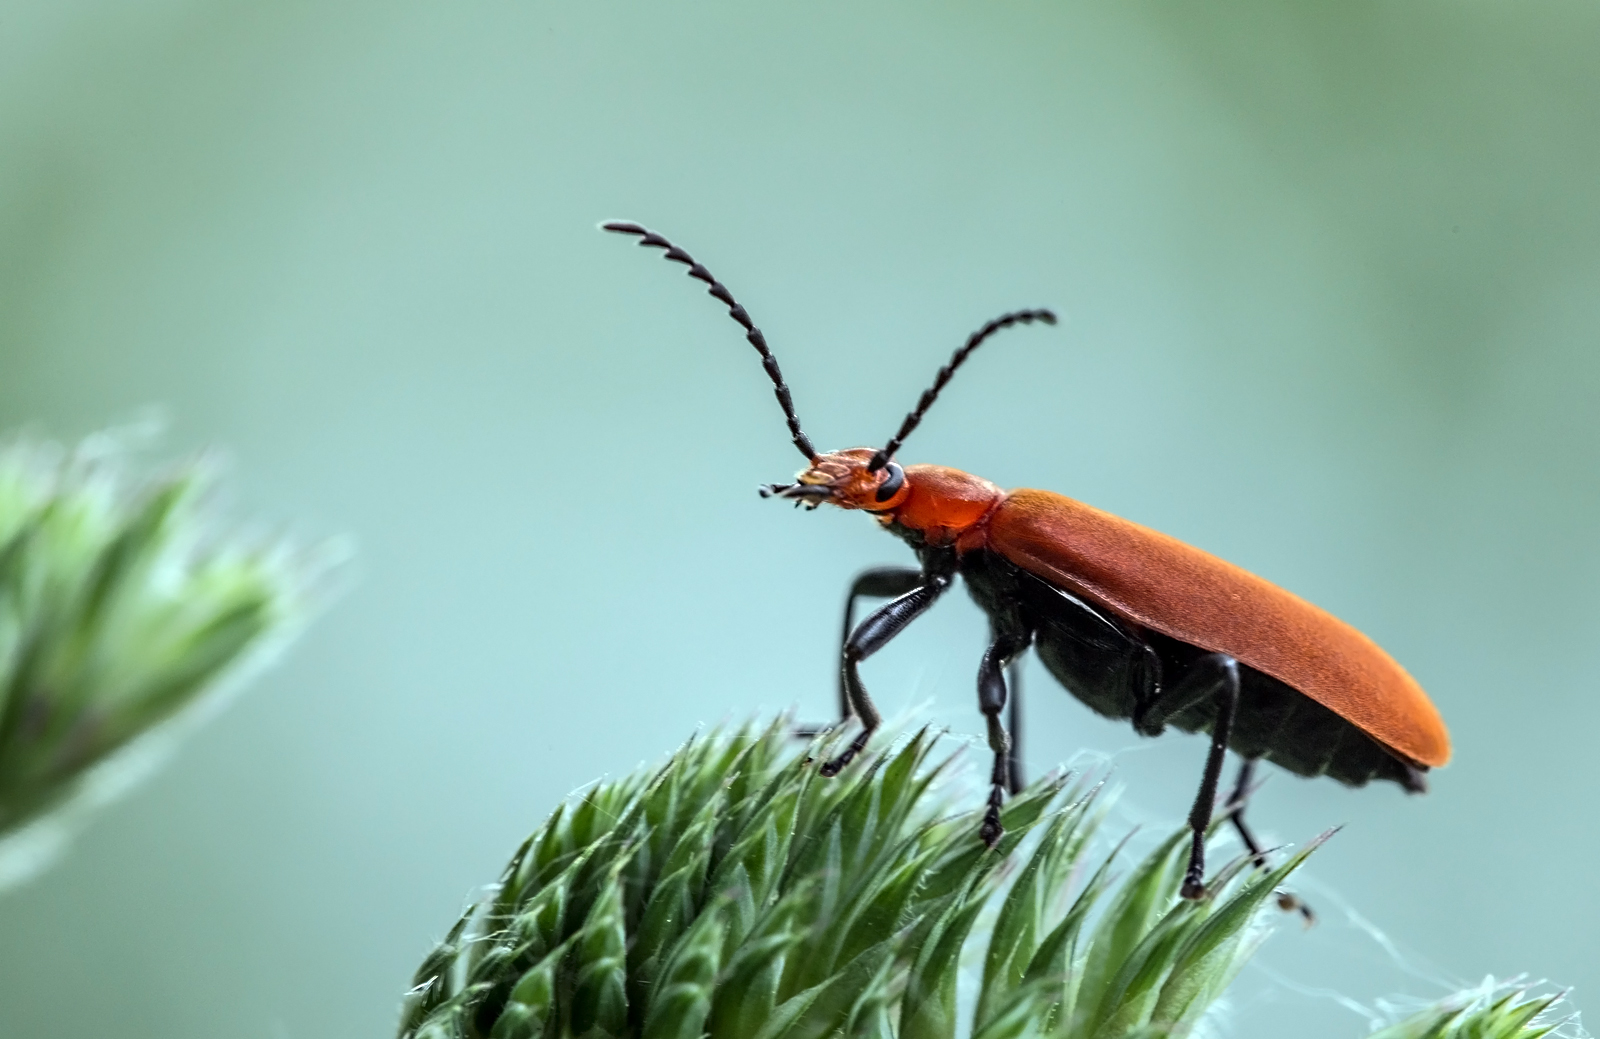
1329, 276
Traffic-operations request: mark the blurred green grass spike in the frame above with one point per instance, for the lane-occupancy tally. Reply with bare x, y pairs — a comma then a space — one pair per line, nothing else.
130, 551
126, 613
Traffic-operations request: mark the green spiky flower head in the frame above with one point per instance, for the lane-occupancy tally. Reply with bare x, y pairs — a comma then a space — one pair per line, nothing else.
736, 894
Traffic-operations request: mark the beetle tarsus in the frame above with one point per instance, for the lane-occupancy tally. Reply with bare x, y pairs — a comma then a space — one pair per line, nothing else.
1288, 901
992, 829
835, 766
1235, 806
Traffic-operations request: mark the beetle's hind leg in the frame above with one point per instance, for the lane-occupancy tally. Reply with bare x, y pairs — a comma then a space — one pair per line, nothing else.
1213, 675
1235, 806
1237, 802
992, 702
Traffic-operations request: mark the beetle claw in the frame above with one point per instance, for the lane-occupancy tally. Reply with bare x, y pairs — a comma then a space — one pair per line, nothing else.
1290, 903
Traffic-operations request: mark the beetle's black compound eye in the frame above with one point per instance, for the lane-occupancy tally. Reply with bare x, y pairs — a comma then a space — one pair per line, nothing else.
891, 486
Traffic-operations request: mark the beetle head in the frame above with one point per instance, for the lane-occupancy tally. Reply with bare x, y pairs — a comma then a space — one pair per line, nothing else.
846, 479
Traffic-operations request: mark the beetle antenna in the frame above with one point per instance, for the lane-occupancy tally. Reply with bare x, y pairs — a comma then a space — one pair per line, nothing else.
648, 237
929, 395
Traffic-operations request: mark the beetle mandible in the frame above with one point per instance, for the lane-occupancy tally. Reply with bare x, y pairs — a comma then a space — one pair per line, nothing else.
1136, 624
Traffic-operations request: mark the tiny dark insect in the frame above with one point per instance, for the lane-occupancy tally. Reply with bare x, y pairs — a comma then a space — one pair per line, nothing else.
1136, 624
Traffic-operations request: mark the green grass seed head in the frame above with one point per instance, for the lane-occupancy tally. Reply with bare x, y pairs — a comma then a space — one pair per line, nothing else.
733, 893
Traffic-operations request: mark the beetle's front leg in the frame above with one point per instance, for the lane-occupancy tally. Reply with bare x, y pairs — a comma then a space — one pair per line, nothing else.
880, 582
884, 624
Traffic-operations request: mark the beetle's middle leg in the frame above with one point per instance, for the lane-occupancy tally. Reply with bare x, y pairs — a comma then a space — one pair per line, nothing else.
874, 633
992, 701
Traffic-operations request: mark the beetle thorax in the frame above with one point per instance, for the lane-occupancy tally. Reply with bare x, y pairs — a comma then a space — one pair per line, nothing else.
946, 506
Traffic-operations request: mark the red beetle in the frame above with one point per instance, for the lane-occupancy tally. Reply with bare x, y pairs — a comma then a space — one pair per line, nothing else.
1134, 623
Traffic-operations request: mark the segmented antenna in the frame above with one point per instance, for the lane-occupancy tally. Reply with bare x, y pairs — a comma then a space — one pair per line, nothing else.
648, 237
929, 395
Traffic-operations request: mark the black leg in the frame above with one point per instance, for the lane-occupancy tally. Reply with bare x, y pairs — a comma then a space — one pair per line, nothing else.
992, 701
1288, 901
1235, 809
884, 624
1014, 778
881, 582
1219, 674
